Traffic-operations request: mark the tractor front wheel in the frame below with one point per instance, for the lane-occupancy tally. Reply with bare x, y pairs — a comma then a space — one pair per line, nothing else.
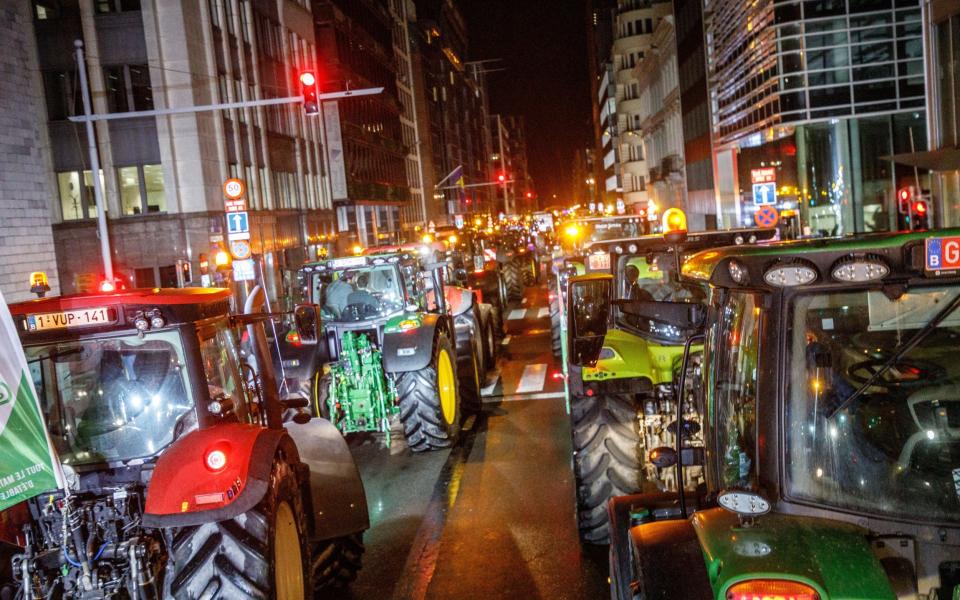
336, 563
607, 458
429, 400
259, 554
512, 280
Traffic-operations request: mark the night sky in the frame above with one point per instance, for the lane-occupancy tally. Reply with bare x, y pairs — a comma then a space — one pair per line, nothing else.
544, 50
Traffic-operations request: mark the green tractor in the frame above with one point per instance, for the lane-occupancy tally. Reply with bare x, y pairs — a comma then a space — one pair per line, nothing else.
623, 404
829, 403
391, 346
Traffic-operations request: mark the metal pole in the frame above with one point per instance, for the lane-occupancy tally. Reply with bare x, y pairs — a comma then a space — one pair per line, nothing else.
94, 166
222, 106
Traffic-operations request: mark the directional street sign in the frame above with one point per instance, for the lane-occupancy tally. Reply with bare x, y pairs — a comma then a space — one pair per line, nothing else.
243, 270
238, 222
764, 193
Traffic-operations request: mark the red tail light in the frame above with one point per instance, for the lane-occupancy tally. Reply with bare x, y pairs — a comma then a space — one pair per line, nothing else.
293, 338
216, 459
771, 589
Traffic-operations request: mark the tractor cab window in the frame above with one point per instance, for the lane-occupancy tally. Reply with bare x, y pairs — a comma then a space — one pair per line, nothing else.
872, 426
653, 277
111, 399
732, 350
359, 294
221, 361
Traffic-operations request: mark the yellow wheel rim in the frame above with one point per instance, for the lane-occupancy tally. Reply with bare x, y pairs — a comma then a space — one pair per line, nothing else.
288, 562
447, 387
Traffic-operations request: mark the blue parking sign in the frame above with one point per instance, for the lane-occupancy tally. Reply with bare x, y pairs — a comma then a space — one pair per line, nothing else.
764, 193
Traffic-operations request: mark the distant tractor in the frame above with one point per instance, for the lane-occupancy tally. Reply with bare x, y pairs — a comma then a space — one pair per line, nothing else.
393, 346
827, 400
188, 476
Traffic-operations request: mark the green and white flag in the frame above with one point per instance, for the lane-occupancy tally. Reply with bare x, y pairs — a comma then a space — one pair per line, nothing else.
28, 461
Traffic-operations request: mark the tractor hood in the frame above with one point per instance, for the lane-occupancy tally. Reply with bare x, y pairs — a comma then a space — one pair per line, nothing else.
834, 558
626, 355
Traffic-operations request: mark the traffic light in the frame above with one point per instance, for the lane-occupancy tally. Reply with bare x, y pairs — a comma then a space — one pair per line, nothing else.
904, 195
308, 88
921, 215
502, 178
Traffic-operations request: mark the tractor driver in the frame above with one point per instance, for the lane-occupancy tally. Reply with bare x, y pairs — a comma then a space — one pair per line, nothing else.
338, 292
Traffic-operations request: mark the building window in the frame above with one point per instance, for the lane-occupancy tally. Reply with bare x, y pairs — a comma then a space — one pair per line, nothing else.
46, 9
77, 200
110, 6
62, 90
141, 190
128, 88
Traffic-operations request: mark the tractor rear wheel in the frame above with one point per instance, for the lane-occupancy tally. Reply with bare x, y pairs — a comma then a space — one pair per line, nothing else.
469, 372
528, 270
512, 280
321, 393
555, 324
259, 554
488, 336
429, 400
336, 563
607, 458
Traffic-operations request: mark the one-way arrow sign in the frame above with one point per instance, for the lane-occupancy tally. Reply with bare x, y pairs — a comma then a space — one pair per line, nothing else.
238, 226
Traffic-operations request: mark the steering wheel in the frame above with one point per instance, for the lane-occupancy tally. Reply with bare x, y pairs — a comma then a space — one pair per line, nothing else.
923, 372
358, 311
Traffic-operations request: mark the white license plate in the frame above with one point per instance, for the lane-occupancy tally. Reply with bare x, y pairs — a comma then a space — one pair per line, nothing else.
598, 262
69, 318
351, 261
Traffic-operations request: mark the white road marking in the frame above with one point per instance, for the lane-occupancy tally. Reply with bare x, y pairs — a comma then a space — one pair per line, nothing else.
519, 397
517, 313
505, 341
543, 312
532, 379
486, 391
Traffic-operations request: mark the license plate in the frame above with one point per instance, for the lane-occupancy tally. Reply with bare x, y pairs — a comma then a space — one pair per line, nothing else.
353, 261
598, 262
943, 254
69, 318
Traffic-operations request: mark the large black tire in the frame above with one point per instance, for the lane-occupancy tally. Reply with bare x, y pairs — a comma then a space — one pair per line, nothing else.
555, 325
424, 425
528, 269
469, 372
321, 392
335, 564
607, 458
488, 338
235, 558
512, 280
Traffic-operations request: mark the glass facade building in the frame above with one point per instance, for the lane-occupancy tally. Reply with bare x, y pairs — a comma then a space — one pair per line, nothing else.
823, 92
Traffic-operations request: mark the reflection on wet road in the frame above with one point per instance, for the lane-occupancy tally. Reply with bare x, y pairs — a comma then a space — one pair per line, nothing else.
494, 516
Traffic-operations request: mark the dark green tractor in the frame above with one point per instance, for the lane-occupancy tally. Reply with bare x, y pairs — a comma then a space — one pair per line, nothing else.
392, 346
829, 399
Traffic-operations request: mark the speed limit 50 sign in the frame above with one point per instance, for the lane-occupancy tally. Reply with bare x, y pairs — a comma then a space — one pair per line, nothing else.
234, 188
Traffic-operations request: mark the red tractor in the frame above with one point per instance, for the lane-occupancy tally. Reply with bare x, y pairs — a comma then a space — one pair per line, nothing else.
188, 476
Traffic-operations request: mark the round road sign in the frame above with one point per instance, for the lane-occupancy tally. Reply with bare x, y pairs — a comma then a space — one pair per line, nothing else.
234, 188
240, 249
766, 216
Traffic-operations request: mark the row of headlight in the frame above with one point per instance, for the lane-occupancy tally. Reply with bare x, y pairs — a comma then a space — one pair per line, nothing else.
800, 272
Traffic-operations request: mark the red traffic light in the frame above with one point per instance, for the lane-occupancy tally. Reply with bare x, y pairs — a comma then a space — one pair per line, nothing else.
501, 178
308, 87
529, 194
920, 207
904, 194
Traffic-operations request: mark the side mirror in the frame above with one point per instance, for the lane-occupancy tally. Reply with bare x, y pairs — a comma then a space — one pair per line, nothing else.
306, 317
588, 308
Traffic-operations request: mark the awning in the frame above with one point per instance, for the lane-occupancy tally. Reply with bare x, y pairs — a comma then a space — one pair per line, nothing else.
944, 159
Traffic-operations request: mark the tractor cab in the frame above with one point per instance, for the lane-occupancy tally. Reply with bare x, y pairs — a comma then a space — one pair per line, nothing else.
830, 412
164, 412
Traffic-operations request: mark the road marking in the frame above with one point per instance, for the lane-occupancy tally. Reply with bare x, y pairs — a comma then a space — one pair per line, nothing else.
543, 312
532, 379
519, 397
506, 340
486, 391
517, 313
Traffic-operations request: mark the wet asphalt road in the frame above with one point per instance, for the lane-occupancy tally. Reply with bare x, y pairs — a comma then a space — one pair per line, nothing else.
493, 517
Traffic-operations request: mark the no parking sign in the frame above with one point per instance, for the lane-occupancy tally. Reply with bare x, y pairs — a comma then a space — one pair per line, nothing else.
766, 216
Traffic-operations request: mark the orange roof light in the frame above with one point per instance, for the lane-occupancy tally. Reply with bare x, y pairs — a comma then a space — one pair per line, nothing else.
674, 219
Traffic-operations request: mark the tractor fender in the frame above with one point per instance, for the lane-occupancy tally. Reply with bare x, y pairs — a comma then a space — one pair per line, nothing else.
338, 503
460, 300
412, 350
662, 549
183, 491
